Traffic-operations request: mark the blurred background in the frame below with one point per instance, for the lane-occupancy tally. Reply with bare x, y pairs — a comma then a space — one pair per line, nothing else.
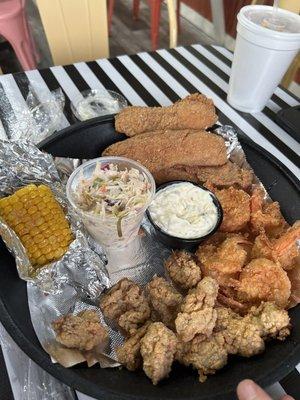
67, 31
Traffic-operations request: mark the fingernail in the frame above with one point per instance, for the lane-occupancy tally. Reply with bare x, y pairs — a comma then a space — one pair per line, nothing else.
248, 390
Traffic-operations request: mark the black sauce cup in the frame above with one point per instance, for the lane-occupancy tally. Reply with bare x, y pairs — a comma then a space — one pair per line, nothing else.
175, 242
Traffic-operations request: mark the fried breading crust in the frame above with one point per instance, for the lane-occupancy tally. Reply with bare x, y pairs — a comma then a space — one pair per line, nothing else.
264, 280
156, 152
82, 331
236, 208
129, 353
274, 321
183, 269
198, 315
225, 175
234, 334
205, 355
126, 304
194, 112
224, 261
158, 348
164, 299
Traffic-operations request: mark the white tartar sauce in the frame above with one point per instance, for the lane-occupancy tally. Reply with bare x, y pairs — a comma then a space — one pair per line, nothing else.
184, 210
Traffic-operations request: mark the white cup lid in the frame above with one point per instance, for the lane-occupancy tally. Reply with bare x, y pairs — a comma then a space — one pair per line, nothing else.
264, 36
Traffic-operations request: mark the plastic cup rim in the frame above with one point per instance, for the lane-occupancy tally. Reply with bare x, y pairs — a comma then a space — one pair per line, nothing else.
272, 34
113, 159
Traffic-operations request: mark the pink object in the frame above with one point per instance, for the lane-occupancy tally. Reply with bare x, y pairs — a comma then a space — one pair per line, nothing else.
14, 28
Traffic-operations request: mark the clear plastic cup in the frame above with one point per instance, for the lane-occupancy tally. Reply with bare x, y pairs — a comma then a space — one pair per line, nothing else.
261, 57
94, 103
105, 230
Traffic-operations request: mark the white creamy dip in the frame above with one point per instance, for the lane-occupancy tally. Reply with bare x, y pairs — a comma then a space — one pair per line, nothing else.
184, 210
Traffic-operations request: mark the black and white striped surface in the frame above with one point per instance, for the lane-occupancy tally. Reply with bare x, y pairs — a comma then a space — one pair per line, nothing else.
161, 78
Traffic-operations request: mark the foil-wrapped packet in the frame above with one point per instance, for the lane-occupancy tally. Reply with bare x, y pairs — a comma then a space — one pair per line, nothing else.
23, 164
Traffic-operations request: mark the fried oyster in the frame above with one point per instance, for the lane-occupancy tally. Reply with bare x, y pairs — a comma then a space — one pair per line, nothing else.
164, 299
234, 334
158, 348
207, 355
129, 354
197, 314
82, 331
183, 269
126, 304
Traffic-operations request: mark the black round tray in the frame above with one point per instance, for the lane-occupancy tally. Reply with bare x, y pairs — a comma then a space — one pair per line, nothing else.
87, 140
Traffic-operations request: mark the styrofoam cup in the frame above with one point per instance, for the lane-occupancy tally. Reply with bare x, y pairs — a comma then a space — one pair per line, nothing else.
261, 58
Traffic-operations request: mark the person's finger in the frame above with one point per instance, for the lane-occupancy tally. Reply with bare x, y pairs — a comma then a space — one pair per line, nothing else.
249, 390
287, 397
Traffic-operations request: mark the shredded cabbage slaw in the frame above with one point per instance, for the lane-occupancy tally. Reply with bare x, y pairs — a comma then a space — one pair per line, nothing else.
112, 192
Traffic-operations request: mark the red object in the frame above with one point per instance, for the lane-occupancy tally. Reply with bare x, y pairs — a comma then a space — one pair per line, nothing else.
155, 6
14, 28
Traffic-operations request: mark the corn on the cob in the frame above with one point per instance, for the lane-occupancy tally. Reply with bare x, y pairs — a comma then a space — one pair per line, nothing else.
39, 221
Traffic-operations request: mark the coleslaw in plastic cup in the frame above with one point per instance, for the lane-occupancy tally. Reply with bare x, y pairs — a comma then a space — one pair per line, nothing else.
110, 195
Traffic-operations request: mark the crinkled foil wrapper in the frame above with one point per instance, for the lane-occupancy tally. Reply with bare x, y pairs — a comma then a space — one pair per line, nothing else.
78, 289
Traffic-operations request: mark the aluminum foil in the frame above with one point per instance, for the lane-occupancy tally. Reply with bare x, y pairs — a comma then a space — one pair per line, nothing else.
22, 164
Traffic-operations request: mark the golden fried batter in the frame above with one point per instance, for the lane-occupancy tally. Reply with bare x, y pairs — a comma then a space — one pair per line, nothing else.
274, 321
158, 348
198, 315
194, 112
126, 304
265, 216
236, 208
243, 337
234, 334
264, 280
129, 354
156, 152
207, 355
283, 249
225, 260
225, 175
164, 299
82, 331
183, 269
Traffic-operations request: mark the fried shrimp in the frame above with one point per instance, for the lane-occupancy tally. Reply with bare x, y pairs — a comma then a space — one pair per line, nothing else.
225, 260
283, 249
265, 216
264, 280
236, 208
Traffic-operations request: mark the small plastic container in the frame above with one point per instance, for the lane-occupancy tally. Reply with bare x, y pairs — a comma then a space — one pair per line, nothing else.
104, 230
94, 103
182, 243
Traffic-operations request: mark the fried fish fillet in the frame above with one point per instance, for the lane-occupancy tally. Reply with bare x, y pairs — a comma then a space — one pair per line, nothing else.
157, 152
225, 175
194, 112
